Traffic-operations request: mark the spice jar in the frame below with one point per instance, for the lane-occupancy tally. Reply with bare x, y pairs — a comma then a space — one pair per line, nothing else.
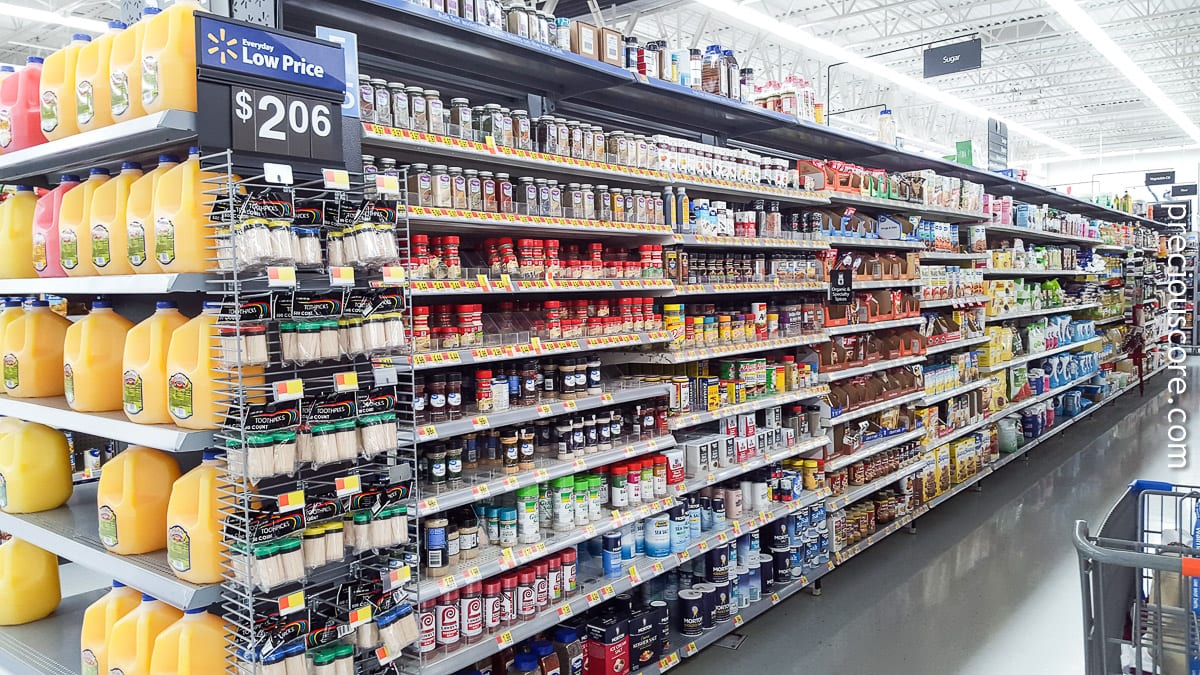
441, 187
417, 108
504, 193
460, 118
433, 109
458, 188
454, 406
437, 399
474, 190
399, 105
483, 391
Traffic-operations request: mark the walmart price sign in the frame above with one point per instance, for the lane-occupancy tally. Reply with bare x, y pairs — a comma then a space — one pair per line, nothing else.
269, 93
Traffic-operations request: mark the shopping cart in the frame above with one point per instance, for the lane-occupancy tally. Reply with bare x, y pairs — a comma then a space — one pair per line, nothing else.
1141, 583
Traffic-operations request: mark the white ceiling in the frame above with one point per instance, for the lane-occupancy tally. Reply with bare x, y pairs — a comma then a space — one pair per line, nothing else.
1036, 70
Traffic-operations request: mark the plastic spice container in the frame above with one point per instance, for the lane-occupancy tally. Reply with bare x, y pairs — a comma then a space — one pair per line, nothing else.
420, 184
460, 118
504, 194
507, 526
399, 105
522, 135
458, 188
417, 108
483, 391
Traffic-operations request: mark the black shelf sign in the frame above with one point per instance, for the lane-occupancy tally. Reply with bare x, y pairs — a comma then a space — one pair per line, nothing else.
1184, 190
954, 58
268, 93
1159, 178
841, 287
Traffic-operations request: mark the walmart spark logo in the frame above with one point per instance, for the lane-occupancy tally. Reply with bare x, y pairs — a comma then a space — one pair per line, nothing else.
221, 46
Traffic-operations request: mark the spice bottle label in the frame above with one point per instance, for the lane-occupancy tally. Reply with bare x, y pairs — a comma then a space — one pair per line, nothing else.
179, 548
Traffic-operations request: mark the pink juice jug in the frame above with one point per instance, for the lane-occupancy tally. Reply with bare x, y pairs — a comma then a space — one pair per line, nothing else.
46, 261
20, 108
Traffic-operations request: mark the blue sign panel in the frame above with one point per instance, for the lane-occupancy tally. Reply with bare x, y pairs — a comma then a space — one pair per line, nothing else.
349, 43
259, 53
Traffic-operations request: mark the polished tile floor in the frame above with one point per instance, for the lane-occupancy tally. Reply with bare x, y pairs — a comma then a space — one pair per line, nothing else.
989, 584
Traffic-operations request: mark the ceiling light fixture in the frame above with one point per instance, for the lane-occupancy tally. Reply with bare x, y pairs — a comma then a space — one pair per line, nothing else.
807, 41
44, 16
1107, 155
1081, 22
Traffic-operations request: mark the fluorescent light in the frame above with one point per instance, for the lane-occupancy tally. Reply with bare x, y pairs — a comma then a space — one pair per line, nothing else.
1094, 34
1106, 155
44, 16
807, 41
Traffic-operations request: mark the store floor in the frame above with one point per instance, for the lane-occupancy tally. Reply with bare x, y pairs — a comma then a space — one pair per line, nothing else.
989, 584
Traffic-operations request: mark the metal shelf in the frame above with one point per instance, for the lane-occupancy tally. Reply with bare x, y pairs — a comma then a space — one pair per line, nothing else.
427, 218
433, 288
492, 486
873, 408
863, 242
1111, 319
141, 284
855, 493
71, 532
991, 272
50, 646
689, 355
750, 287
692, 419
1018, 360
955, 302
951, 393
530, 413
873, 326
55, 412
867, 369
843, 556
947, 256
1041, 235
885, 283
136, 140
1042, 312
460, 357
938, 213
955, 344
873, 448
704, 240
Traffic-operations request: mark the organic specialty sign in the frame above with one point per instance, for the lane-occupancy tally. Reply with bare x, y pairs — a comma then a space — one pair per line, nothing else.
259, 53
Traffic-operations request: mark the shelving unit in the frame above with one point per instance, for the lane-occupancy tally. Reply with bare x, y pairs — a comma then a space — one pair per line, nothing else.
56, 413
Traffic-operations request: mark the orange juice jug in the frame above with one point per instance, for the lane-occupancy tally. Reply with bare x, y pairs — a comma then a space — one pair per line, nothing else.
74, 231
131, 640
93, 94
5, 71
35, 469
58, 113
109, 232
125, 69
20, 116
131, 500
139, 218
169, 59
92, 352
190, 376
181, 218
33, 352
29, 587
193, 645
144, 365
194, 523
16, 231
98, 622
14, 308
45, 253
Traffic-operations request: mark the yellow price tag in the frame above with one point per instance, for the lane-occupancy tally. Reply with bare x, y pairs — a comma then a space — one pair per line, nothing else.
480, 422
504, 639
481, 490
565, 611
738, 620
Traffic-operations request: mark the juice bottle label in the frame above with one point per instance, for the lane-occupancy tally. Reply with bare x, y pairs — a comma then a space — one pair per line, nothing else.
136, 245
12, 371
5, 128
119, 88
39, 251
49, 112
68, 249
179, 396
179, 549
164, 240
3, 492
101, 246
149, 80
85, 102
131, 392
69, 383
108, 526
90, 665
115, 671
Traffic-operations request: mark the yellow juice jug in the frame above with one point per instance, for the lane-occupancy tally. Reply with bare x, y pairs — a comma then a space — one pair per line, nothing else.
16, 231
193, 645
33, 352
144, 365
169, 59
59, 118
192, 376
35, 469
195, 548
131, 500
14, 308
29, 587
139, 218
131, 641
125, 69
182, 226
93, 93
74, 230
110, 236
92, 352
98, 622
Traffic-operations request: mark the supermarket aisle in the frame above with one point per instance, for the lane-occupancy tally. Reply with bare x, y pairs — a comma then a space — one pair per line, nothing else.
989, 584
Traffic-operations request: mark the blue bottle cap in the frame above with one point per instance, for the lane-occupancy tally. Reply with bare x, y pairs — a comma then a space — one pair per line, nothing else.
35, 60
565, 635
99, 171
151, 11
526, 661
212, 455
84, 37
146, 597
13, 302
24, 188
197, 610
164, 159
117, 584
212, 304
101, 304
119, 25
193, 150
43, 303
7, 69
166, 304
68, 178
130, 165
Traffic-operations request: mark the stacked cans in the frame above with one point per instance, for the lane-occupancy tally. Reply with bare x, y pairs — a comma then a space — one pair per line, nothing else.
807, 544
